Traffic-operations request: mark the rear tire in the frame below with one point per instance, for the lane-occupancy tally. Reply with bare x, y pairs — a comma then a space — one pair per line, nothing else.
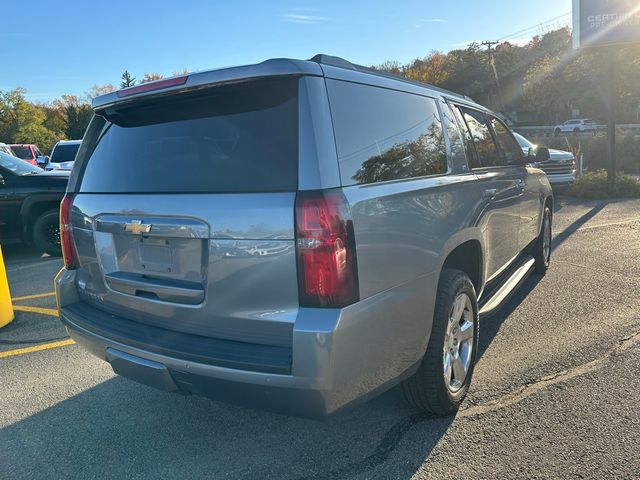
46, 233
542, 248
436, 388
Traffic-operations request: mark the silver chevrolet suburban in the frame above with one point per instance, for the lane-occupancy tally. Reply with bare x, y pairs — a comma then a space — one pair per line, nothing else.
296, 235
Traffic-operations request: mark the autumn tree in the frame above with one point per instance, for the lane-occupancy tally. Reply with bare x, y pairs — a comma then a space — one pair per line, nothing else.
98, 90
151, 77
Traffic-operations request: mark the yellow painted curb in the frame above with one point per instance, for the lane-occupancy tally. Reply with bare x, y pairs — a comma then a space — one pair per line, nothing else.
6, 310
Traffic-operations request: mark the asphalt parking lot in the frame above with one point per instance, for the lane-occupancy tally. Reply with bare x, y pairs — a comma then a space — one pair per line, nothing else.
556, 392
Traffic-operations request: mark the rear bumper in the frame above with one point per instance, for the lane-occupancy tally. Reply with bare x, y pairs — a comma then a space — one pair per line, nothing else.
338, 356
258, 390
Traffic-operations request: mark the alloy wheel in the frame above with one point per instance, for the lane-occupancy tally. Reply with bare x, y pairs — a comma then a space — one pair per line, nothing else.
458, 343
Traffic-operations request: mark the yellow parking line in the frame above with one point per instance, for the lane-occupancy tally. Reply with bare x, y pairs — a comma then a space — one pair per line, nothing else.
45, 311
36, 348
37, 295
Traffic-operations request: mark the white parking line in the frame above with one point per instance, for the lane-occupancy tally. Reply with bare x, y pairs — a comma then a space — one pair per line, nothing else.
613, 224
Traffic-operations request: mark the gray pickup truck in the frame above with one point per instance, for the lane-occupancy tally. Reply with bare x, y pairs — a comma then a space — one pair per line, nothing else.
296, 235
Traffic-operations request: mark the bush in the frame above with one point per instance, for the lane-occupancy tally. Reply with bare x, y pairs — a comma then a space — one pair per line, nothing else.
594, 185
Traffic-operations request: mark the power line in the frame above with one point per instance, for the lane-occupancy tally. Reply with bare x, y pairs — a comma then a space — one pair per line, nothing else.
534, 27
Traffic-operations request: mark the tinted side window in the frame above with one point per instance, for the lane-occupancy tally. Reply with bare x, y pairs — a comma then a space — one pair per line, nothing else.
384, 134
472, 158
456, 140
511, 151
482, 139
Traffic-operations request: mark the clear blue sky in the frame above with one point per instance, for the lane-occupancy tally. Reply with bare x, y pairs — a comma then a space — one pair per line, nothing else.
56, 47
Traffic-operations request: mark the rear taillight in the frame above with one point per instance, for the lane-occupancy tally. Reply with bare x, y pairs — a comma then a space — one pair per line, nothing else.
66, 233
327, 271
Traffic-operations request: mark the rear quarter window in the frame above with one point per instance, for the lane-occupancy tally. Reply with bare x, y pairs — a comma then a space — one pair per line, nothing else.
384, 134
482, 139
236, 138
511, 153
64, 153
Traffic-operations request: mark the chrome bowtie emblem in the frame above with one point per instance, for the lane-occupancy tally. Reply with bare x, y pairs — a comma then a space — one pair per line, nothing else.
136, 227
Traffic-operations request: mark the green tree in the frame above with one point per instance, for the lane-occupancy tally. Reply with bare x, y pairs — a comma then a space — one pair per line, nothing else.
78, 114
127, 80
24, 122
31, 127
9, 121
55, 117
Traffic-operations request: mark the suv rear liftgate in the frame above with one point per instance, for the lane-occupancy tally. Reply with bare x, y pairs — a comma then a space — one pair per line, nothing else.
183, 225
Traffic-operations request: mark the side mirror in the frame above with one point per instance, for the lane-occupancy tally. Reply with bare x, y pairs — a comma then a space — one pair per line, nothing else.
42, 161
1, 180
542, 155
531, 153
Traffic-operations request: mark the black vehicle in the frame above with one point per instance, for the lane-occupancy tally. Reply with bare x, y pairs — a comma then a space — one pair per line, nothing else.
29, 204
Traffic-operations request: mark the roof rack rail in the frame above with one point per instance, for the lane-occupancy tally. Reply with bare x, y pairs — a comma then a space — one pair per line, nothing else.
334, 61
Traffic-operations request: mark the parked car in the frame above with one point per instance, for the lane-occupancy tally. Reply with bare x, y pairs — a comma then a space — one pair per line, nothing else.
559, 166
29, 201
63, 154
4, 148
576, 126
402, 212
29, 153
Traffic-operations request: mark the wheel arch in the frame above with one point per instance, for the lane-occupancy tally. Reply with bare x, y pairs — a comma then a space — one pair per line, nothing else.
467, 256
35, 206
548, 202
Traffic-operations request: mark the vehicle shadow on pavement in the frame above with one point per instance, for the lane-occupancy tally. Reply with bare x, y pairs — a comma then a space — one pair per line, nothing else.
561, 237
120, 429
491, 325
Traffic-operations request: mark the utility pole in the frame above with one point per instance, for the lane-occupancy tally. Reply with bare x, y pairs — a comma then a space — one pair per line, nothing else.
489, 45
611, 115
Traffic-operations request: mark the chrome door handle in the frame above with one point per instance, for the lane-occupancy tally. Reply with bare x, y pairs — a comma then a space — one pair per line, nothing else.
490, 193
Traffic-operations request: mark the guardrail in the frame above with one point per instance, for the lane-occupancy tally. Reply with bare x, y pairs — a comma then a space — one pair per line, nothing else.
549, 130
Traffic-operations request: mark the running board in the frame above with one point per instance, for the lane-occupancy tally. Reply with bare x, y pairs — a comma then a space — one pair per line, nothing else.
500, 296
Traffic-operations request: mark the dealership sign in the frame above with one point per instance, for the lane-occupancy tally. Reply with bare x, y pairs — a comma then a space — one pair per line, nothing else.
605, 22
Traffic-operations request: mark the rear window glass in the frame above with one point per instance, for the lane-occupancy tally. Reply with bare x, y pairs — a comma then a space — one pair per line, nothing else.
22, 152
236, 138
385, 134
64, 153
